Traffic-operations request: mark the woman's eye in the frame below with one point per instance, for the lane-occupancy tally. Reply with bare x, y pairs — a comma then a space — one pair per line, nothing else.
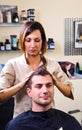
37, 40
27, 40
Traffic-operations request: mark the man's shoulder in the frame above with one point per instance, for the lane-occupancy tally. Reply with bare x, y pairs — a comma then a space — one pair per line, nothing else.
65, 120
20, 116
62, 115
17, 121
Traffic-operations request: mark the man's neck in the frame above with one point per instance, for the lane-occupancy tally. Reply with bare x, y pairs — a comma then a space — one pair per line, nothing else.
39, 108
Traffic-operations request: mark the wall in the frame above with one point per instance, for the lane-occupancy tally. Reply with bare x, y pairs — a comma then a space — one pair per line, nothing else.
51, 14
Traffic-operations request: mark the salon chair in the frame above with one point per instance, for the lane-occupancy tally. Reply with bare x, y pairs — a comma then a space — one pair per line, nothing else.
6, 112
77, 114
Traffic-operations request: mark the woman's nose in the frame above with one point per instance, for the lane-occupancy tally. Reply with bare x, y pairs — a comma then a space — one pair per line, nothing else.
32, 44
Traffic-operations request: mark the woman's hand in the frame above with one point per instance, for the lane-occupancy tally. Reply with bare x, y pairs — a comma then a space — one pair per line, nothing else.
23, 82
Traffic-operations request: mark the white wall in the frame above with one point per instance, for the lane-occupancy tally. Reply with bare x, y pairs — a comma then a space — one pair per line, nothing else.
51, 14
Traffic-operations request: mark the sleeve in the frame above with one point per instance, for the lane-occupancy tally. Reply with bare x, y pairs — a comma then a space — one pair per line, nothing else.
7, 76
62, 76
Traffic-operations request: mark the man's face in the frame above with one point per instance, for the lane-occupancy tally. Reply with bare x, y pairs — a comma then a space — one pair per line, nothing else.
42, 90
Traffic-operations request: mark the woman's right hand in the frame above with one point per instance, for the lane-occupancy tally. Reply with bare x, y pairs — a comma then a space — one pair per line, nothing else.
23, 82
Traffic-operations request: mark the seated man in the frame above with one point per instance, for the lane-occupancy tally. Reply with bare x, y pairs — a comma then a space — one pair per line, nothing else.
40, 88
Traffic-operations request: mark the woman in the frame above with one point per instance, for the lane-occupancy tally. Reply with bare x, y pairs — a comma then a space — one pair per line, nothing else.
33, 44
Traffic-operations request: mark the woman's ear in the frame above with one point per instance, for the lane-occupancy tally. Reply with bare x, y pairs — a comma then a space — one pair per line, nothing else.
28, 91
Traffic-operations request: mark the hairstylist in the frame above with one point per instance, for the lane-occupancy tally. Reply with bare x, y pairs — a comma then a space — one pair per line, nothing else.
33, 44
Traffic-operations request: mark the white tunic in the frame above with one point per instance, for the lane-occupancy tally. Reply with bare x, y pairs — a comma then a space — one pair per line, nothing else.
15, 70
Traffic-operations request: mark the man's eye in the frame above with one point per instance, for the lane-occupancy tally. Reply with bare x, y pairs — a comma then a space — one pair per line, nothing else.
49, 85
38, 86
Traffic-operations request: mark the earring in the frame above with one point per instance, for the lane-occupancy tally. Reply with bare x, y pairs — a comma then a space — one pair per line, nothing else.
40, 52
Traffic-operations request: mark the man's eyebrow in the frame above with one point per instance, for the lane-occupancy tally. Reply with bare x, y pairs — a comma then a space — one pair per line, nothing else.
39, 84
45, 83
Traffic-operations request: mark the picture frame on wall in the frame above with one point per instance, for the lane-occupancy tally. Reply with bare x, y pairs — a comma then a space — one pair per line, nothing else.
72, 70
78, 34
8, 8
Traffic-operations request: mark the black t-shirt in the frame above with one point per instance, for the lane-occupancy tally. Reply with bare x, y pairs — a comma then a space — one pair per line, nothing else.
52, 119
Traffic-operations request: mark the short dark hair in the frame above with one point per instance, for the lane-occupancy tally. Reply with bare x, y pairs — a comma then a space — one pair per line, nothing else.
42, 70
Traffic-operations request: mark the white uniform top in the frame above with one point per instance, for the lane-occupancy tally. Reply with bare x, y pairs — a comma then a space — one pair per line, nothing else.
16, 69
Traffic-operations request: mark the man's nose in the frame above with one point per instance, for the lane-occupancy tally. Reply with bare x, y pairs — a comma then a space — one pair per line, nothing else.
44, 88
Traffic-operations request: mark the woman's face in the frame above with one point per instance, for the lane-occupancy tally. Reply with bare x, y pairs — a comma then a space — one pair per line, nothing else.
33, 43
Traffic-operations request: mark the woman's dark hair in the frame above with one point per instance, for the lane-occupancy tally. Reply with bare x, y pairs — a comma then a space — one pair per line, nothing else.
27, 29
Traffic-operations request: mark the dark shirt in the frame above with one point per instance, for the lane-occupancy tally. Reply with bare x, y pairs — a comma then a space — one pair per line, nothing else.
52, 119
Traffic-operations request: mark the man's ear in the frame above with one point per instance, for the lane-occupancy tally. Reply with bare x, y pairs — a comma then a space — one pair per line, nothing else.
28, 91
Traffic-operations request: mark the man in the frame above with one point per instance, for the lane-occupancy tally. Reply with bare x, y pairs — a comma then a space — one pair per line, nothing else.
40, 88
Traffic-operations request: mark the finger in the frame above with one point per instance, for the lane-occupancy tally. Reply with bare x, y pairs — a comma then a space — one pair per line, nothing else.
29, 74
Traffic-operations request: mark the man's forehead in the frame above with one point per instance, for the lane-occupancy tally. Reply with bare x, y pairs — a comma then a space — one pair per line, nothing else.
40, 78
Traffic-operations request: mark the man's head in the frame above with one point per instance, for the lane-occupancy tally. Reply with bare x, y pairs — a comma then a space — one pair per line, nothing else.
40, 87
